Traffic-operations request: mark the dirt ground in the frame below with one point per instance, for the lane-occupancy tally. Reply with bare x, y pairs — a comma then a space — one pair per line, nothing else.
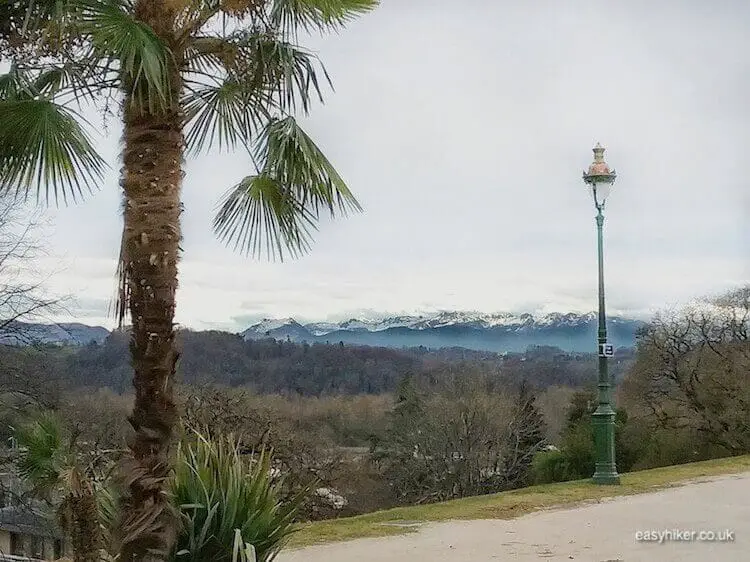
601, 532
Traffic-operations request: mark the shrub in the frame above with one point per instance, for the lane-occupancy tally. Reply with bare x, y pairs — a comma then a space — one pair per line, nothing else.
578, 449
550, 466
229, 503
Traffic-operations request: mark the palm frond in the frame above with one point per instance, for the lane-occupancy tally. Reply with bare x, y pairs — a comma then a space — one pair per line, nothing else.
41, 462
262, 75
143, 58
75, 80
278, 73
51, 81
106, 502
205, 54
276, 211
285, 70
309, 15
13, 85
260, 217
43, 146
223, 112
293, 158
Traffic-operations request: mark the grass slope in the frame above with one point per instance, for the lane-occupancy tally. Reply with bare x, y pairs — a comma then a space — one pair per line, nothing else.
507, 505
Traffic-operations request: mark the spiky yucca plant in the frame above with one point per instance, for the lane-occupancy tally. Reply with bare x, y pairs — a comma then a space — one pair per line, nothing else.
231, 506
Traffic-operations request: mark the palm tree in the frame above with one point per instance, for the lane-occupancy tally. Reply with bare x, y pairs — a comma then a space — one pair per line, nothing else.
190, 75
50, 464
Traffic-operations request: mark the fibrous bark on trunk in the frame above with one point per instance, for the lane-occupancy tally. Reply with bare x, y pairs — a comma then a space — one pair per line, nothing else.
83, 525
151, 182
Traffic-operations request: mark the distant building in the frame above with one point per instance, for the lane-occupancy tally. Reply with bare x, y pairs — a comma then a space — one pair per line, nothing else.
29, 532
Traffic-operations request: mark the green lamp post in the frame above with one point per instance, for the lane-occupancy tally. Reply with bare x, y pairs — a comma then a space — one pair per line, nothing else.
600, 179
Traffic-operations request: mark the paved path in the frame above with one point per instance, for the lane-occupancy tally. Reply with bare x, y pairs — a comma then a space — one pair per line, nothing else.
601, 532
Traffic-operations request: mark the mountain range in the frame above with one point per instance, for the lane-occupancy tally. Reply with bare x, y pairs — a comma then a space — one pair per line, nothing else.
471, 330
490, 332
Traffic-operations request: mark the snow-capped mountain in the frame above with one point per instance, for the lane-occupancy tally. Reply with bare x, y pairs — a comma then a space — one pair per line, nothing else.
474, 330
287, 328
270, 324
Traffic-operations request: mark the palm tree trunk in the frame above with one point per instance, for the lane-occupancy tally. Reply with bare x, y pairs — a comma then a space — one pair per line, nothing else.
151, 182
84, 526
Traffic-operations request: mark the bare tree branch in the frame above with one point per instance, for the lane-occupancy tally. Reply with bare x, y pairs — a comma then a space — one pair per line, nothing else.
24, 299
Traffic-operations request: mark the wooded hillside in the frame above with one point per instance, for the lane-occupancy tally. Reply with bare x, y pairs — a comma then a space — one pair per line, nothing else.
270, 366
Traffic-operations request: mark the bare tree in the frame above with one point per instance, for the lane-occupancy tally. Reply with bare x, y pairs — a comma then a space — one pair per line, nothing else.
23, 296
466, 439
25, 381
693, 371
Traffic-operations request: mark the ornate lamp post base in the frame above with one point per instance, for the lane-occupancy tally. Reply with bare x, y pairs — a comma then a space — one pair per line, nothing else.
604, 444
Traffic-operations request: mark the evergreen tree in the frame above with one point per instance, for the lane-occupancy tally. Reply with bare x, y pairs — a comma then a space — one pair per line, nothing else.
530, 415
527, 438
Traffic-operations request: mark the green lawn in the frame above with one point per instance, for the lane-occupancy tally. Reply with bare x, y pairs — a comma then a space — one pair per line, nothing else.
507, 505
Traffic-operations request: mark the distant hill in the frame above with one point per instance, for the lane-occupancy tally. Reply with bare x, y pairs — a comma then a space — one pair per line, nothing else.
489, 332
21, 333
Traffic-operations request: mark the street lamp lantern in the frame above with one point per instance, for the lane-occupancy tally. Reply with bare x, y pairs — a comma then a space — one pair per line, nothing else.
600, 178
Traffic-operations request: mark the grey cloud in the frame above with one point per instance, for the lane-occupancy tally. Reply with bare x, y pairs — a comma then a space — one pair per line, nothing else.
463, 129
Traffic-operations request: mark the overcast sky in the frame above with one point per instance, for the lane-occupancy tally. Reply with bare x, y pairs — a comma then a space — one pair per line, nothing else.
463, 128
